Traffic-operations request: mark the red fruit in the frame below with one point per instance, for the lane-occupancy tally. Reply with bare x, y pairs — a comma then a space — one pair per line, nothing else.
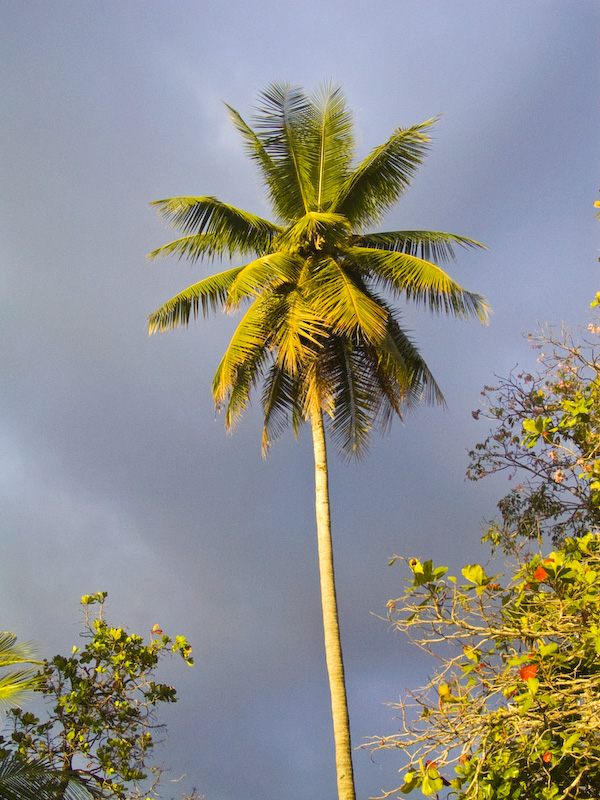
547, 758
528, 671
540, 574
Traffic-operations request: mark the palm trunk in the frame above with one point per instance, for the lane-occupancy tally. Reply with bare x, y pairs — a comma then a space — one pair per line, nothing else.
333, 648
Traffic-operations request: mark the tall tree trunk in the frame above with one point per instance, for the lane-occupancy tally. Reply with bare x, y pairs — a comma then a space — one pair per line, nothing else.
333, 648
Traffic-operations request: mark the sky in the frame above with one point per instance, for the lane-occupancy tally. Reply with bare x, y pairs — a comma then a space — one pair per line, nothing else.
115, 472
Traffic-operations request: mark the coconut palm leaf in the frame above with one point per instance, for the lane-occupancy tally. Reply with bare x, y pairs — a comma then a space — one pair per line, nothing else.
26, 780
351, 421
379, 181
344, 303
413, 380
330, 145
272, 270
428, 245
246, 346
282, 202
420, 281
12, 653
296, 327
233, 230
282, 404
314, 228
209, 295
15, 684
281, 125
243, 380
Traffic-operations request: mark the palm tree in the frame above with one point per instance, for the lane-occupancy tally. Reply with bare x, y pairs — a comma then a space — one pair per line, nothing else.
320, 332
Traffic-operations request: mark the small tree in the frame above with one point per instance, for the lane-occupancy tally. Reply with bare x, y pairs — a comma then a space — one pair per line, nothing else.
102, 697
513, 710
546, 434
20, 779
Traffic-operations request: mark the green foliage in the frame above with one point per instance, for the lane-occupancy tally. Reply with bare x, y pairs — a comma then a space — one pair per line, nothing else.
318, 334
102, 700
15, 684
513, 711
34, 780
546, 435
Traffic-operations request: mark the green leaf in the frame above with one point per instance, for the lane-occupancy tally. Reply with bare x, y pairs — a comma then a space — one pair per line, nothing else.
548, 649
570, 741
411, 781
432, 782
474, 573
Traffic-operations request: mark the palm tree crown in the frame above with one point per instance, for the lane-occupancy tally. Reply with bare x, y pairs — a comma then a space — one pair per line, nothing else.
320, 330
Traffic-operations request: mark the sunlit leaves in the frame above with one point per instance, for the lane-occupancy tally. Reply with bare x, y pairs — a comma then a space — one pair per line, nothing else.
511, 710
17, 670
432, 246
213, 229
379, 181
315, 275
206, 296
101, 701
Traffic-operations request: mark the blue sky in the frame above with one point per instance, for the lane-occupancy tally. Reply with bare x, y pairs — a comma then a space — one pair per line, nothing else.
115, 473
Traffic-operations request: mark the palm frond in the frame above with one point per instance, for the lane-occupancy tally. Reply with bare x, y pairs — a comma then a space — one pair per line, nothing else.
351, 420
212, 229
27, 780
245, 348
379, 181
269, 169
420, 281
429, 245
15, 684
296, 329
13, 652
272, 270
282, 404
281, 126
316, 229
199, 246
400, 358
330, 144
345, 306
242, 381
208, 295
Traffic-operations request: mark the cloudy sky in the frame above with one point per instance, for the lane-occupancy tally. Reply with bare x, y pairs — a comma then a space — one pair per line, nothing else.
115, 473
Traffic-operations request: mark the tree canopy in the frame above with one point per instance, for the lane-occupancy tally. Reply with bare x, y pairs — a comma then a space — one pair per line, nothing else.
319, 332
512, 710
546, 436
100, 727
